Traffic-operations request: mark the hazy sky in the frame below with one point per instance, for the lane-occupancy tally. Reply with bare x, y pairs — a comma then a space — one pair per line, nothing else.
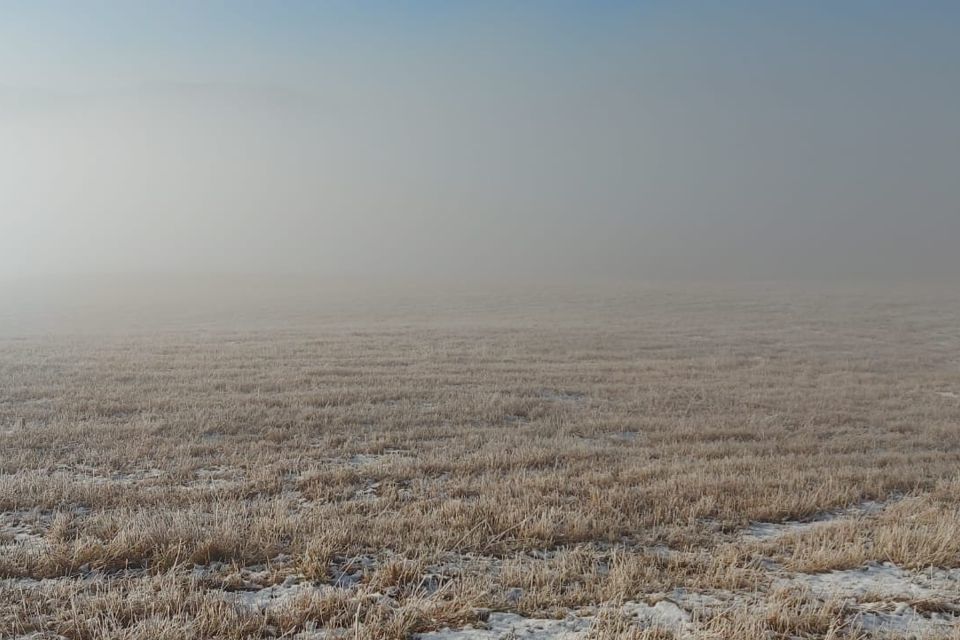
483, 139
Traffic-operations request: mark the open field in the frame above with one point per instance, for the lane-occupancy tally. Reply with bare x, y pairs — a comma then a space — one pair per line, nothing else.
646, 463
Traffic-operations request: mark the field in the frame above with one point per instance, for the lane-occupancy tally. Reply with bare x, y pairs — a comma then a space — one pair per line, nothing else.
622, 463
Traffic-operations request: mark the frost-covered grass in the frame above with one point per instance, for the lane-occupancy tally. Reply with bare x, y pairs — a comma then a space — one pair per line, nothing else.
740, 460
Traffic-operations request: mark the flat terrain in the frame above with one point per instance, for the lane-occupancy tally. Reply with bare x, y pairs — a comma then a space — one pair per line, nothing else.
642, 463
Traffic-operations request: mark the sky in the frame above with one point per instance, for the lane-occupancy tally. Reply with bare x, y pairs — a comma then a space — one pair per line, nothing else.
493, 140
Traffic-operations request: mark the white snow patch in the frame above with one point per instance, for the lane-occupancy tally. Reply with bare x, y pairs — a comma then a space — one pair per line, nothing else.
20, 536
30, 583
503, 626
23, 529
368, 459
894, 587
276, 596
94, 475
772, 530
885, 579
703, 601
665, 614
886, 583
905, 621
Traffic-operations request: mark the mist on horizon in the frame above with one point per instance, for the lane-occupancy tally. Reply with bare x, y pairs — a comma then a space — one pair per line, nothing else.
494, 141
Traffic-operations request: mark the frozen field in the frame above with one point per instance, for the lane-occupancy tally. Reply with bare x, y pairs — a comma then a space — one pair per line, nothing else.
645, 463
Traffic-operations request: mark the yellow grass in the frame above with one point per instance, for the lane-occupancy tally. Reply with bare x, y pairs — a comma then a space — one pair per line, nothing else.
508, 455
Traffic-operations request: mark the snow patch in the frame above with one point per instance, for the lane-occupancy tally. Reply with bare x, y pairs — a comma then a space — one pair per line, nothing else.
98, 476
887, 580
274, 597
905, 621
890, 591
771, 530
23, 529
664, 614
501, 626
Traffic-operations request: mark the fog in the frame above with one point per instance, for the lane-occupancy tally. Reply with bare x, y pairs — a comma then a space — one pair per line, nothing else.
484, 141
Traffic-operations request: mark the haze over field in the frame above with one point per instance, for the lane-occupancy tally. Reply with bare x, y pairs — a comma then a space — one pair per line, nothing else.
479, 320
491, 141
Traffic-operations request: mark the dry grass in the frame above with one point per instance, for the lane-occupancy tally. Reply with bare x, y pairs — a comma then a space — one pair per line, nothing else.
914, 533
559, 455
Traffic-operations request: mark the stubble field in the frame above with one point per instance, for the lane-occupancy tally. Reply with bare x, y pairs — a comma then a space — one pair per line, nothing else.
650, 463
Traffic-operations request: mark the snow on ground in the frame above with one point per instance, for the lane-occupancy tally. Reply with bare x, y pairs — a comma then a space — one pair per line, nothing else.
771, 530
275, 596
501, 626
23, 528
904, 620
510, 625
884, 596
883, 580
881, 598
